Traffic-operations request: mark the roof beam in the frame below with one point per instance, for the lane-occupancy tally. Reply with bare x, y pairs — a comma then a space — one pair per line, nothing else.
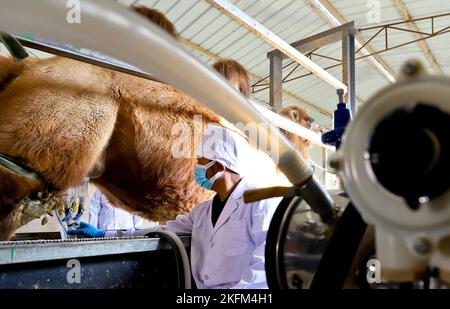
316, 41
403, 10
288, 94
328, 12
271, 38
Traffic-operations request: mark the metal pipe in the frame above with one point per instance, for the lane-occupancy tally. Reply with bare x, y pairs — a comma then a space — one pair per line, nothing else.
351, 79
437, 33
72, 53
405, 21
369, 40
409, 30
113, 30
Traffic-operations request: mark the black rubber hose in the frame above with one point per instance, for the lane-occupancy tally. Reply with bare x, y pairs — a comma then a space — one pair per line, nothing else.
181, 257
14, 47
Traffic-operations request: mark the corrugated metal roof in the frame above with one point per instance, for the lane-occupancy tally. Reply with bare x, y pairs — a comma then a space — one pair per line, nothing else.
293, 20
219, 36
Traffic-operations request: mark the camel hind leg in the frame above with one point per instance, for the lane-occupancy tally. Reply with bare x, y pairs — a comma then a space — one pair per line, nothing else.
13, 189
56, 119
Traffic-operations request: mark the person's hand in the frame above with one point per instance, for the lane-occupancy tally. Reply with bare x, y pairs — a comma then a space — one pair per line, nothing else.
86, 230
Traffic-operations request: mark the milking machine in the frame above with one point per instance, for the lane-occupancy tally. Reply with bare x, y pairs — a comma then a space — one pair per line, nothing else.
395, 166
74, 207
394, 163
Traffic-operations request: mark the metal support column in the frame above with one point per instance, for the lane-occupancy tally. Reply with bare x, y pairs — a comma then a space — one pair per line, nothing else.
324, 165
349, 63
344, 52
276, 82
344, 33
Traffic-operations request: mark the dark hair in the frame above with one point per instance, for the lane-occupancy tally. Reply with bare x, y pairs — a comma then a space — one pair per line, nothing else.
158, 18
235, 73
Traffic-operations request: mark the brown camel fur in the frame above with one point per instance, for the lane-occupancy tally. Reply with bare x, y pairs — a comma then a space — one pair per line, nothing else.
64, 120
301, 117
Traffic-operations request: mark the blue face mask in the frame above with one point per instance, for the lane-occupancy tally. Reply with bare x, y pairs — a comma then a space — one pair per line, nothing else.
200, 175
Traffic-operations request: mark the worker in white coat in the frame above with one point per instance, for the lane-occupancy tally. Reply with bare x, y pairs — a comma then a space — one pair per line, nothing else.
104, 216
228, 236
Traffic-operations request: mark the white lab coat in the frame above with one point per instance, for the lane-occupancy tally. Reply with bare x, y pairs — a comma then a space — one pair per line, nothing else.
230, 254
107, 217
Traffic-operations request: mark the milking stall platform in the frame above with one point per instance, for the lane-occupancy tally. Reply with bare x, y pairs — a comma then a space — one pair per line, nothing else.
109, 263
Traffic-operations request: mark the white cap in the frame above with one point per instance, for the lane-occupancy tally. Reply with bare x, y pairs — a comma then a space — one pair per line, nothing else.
224, 146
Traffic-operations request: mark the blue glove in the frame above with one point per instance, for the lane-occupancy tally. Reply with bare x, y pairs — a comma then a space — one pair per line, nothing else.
86, 230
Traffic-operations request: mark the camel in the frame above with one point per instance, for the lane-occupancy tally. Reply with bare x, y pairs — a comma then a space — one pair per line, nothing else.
301, 117
64, 120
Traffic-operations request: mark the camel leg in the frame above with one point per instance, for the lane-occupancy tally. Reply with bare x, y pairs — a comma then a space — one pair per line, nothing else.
14, 188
